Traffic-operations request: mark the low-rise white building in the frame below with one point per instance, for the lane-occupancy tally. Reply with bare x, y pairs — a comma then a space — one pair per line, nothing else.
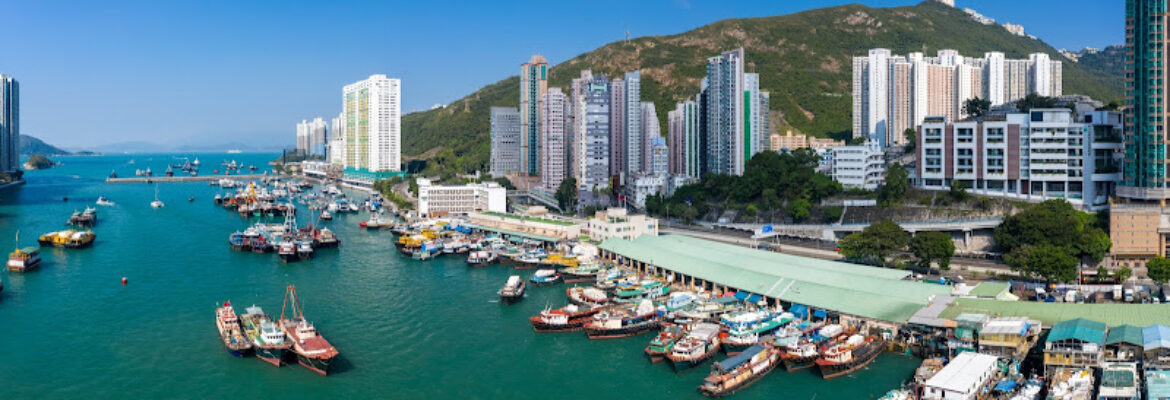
647, 184
318, 169
439, 201
962, 379
616, 222
1035, 156
861, 166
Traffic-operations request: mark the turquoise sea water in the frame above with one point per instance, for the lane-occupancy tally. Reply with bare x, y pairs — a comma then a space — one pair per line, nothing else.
405, 329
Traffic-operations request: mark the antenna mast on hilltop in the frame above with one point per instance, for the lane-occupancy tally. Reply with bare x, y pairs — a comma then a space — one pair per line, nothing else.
627, 36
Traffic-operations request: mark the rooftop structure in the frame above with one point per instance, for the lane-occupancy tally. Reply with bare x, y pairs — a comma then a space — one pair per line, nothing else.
540, 228
869, 292
1051, 313
1124, 343
962, 378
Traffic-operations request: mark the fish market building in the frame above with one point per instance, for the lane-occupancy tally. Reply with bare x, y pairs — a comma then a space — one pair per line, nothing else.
854, 293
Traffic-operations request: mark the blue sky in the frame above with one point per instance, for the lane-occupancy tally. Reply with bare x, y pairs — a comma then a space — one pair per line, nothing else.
95, 73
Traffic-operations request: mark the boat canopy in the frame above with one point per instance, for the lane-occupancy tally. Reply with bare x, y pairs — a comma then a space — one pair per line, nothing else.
734, 361
799, 310
1005, 385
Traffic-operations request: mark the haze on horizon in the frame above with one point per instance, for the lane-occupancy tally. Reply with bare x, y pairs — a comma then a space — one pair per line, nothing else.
94, 74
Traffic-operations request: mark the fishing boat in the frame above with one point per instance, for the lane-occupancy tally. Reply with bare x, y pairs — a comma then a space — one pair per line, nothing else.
513, 290
313, 351
679, 301
103, 201
326, 216
804, 353
664, 341
586, 296
24, 259
565, 319
740, 371
529, 260
231, 331
69, 238
481, 258
304, 250
558, 261
375, 222
1030, 390
324, 238
700, 344
287, 251
745, 328
156, 203
267, 338
624, 321
1070, 383
545, 277
88, 218
581, 273
846, 356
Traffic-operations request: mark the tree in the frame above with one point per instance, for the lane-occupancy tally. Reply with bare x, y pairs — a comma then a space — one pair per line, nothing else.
1033, 100
875, 242
958, 191
1053, 223
769, 199
894, 189
976, 107
1102, 273
566, 195
1124, 273
930, 247
1158, 269
911, 139
1052, 263
751, 210
799, 210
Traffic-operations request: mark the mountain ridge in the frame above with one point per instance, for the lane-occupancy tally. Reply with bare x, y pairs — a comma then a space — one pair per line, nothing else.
804, 61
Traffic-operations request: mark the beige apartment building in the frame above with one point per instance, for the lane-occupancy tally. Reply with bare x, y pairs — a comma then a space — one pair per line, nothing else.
1139, 233
777, 142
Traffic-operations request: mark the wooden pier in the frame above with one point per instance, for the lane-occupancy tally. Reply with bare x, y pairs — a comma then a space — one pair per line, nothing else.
201, 178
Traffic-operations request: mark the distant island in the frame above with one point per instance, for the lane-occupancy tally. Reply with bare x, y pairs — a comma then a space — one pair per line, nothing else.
37, 161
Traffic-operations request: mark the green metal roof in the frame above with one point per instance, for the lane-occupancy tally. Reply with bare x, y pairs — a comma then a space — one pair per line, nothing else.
514, 233
864, 291
988, 289
1112, 314
1125, 334
1079, 329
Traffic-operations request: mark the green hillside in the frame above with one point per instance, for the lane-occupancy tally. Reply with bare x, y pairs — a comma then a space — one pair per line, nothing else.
31, 145
804, 60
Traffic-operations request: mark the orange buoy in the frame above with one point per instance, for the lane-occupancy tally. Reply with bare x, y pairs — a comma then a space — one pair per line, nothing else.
123, 280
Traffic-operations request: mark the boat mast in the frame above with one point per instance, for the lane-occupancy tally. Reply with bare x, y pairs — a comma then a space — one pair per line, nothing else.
291, 292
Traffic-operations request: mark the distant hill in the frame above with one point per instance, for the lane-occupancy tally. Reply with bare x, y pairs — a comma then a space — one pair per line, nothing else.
30, 145
804, 60
151, 147
1108, 65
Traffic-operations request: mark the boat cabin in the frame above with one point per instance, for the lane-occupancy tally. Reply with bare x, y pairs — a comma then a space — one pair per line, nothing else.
1074, 343
1124, 343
